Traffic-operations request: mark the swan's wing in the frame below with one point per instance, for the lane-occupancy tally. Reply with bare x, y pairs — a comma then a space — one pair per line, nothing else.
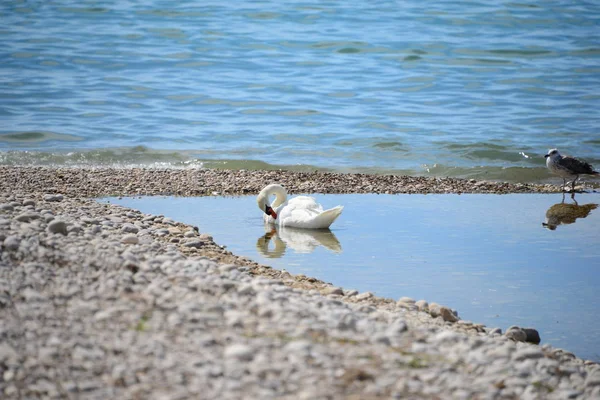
311, 219
299, 208
305, 203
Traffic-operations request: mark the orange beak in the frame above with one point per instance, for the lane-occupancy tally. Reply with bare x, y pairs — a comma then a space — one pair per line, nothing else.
271, 212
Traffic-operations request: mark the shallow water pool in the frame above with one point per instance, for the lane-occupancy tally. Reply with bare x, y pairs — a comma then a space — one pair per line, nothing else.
489, 256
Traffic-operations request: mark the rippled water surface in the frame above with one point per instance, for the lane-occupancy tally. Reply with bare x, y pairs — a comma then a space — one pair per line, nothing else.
474, 88
488, 256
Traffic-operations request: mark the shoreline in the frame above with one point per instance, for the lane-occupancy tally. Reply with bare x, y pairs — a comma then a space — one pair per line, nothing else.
77, 272
205, 182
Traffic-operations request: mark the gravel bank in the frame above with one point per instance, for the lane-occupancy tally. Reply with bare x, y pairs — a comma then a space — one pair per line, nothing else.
96, 182
100, 301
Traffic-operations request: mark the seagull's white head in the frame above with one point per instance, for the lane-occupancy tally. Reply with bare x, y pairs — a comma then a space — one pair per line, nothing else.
553, 154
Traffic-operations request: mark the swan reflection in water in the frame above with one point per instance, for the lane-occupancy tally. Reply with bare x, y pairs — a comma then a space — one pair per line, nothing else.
566, 213
299, 240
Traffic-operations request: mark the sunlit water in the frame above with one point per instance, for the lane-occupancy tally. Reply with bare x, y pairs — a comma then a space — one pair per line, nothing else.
475, 89
488, 256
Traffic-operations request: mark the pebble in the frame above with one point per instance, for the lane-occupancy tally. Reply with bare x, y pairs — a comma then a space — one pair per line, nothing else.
495, 331
12, 242
364, 296
57, 226
189, 234
130, 239
27, 217
6, 207
193, 243
53, 197
533, 335
333, 290
422, 305
129, 228
240, 352
447, 314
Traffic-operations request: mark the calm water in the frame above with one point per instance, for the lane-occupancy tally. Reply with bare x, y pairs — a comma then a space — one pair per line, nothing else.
488, 256
450, 88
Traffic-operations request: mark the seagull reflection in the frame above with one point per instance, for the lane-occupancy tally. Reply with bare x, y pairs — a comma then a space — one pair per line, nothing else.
566, 213
299, 240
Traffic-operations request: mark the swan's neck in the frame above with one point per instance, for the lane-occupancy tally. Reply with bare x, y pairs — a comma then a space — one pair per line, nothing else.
280, 196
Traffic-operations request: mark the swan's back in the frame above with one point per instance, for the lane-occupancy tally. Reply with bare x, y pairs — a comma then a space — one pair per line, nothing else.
305, 212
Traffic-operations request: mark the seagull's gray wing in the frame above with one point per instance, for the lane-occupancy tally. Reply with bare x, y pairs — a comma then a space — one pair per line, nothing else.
575, 166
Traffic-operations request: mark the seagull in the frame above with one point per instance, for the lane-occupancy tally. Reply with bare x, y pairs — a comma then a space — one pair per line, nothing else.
567, 167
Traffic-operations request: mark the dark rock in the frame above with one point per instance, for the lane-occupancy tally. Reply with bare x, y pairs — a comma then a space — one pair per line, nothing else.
533, 335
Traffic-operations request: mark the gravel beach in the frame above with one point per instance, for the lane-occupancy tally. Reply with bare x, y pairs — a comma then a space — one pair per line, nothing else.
98, 301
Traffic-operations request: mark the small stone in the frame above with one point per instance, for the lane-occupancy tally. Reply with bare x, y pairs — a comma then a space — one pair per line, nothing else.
515, 333
206, 237
53, 197
12, 242
406, 300
333, 290
189, 234
422, 305
447, 314
495, 331
533, 336
29, 202
350, 293
6, 207
434, 310
9, 374
57, 226
241, 352
27, 216
130, 239
8, 355
194, 243
174, 231
32, 295
129, 228
364, 296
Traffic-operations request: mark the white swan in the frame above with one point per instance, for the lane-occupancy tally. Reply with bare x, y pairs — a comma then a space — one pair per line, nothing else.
299, 212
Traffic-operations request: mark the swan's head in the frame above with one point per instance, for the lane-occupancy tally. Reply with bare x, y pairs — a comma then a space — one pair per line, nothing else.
263, 203
552, 153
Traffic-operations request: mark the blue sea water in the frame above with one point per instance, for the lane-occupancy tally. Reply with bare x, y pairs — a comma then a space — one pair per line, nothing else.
447, 88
